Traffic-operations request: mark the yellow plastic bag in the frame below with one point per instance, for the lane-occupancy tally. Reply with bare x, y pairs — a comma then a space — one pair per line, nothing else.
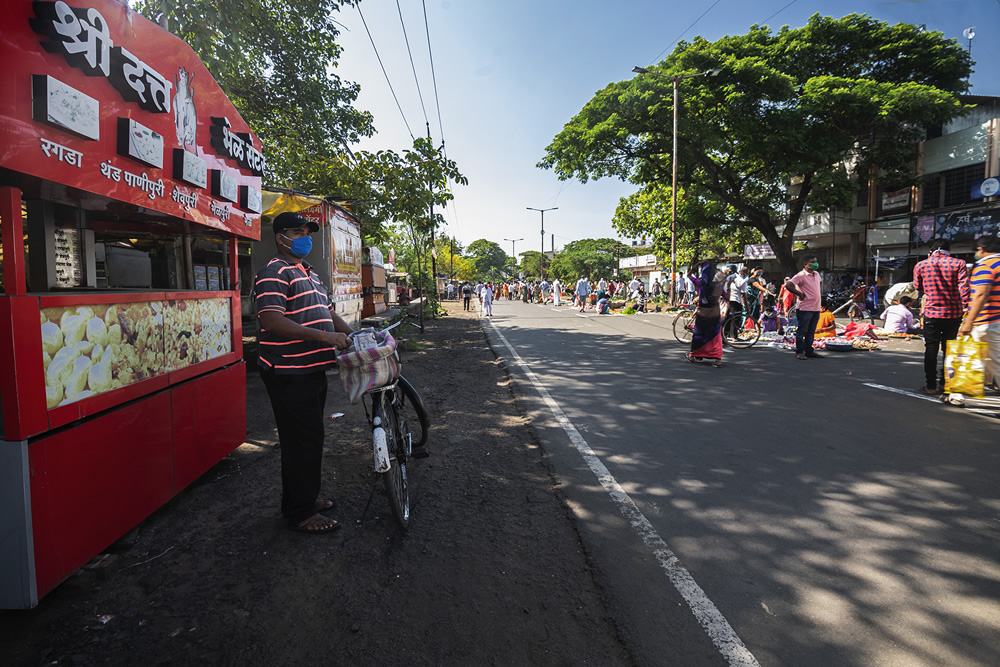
963, 367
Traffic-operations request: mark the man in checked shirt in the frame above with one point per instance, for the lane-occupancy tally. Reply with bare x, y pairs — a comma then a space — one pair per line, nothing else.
944, 282
299, 338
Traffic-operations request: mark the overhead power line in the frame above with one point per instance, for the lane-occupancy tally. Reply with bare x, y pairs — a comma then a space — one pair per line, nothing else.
384, 72
778, 12
430, 53
406, 40
686, 30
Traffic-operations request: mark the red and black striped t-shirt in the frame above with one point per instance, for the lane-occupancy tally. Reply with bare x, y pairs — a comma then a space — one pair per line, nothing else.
296, 292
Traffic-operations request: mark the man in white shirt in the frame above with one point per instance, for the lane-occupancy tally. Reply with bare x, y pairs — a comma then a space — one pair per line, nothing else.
633, 286
899, 319
602, 285
556, 291
582, 291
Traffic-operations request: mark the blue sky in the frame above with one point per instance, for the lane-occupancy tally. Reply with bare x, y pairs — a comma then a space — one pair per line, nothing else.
511, 74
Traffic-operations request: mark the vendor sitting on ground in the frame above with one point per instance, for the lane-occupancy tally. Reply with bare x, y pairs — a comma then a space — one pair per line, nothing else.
603, 303
899, 318
827, 325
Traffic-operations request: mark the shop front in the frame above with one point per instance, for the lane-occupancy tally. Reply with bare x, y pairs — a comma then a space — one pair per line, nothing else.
127, 179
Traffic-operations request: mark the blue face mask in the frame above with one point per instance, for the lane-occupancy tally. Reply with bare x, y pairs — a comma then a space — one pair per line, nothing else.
301, 246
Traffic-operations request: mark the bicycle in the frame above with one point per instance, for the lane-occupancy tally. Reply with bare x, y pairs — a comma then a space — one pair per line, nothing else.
856, 310
399, 423
683, 324
740, 331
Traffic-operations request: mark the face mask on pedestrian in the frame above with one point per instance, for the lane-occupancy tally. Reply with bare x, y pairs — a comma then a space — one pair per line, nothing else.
814, 266
299, 247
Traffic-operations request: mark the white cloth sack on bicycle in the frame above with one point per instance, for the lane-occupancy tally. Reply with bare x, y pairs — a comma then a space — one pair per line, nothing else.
361, 370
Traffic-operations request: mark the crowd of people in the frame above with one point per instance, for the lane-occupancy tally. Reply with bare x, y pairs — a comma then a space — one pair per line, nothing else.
952, 303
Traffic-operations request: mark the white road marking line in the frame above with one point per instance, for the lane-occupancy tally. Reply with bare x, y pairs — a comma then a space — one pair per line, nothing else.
970, 403
582, 315
718, 629
902, 391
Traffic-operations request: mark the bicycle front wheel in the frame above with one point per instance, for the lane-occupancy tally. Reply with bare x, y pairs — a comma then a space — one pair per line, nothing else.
395, 478
684, 326
860, 314
412, 413
740, 332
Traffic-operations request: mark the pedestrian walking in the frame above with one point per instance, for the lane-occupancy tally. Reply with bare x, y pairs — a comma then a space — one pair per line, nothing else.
706, 340
300, 334
944, 282
983, 319
488, 300
466, 294
806, 286
582, 291
557, 288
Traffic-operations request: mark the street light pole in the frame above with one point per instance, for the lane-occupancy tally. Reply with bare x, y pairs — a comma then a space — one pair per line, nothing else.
673, 187
542, 211
513, 252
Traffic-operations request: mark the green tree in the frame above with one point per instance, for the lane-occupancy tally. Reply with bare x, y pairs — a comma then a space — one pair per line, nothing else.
792, 122
489, 258
275, 61
647, 213
532, 263
597, 258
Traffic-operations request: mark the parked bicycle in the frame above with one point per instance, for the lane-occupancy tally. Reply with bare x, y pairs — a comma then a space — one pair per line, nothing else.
853, 304
397, 417
738, 331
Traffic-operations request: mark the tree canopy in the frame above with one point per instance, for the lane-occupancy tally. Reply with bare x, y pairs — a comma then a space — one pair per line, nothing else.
788, 125
489, 258
597, 258
647, 213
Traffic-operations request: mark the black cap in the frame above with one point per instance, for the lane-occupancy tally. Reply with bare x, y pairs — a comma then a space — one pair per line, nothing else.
290, 220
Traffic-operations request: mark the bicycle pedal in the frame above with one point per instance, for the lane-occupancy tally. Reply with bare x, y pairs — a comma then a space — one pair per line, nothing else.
420, 454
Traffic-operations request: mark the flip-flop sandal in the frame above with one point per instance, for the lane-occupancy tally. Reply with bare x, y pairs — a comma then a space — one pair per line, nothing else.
323, 505
314, 520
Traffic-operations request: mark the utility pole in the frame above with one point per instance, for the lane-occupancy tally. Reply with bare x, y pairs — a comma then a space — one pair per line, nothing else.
542, 211
513, 252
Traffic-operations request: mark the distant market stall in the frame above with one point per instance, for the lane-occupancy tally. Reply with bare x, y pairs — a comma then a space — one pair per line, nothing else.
126, 180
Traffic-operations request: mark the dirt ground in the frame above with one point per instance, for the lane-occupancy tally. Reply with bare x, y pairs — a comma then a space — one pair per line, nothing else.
490, 572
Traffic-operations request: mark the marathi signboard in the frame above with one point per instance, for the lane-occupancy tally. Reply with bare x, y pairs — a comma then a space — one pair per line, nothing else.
100, 100
758, 251
892, 201
966, 226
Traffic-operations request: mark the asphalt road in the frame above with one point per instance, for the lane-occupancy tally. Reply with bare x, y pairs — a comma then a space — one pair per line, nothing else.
772, 511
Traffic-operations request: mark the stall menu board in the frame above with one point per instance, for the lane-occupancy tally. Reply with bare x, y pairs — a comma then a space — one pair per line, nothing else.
69, 267
200, 278
88, 350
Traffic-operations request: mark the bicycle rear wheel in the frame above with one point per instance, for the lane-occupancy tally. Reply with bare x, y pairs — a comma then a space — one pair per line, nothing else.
395, 478
860, 314
684, 326
412, 413
740, 332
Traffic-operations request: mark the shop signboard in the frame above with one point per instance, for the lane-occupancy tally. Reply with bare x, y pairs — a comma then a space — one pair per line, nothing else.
102, 101
958, 227
758, 251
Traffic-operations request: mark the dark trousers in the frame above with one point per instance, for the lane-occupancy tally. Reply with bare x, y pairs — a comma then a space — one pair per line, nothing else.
806, 331
936, 332
299, 403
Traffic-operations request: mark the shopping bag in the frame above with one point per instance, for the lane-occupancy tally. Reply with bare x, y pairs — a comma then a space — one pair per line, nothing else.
963, 367
361, 370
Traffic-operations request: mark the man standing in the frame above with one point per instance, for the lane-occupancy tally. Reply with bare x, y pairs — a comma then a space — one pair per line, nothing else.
299, 338
557, 291
545, 287
944, 282
735, 282
983, 318
633, 286
582, 291
806, 285
466, 294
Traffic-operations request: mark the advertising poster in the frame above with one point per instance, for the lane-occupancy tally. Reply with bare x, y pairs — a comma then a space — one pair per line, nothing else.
201, 278
88, 350
959, 227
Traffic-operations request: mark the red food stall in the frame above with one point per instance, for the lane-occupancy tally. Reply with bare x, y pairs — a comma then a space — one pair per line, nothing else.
126, 179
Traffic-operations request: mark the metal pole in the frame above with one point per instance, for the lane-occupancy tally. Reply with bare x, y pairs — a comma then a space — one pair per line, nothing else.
542, 211
673, 208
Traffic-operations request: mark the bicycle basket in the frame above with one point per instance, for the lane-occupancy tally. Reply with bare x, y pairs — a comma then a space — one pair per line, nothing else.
361, 370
